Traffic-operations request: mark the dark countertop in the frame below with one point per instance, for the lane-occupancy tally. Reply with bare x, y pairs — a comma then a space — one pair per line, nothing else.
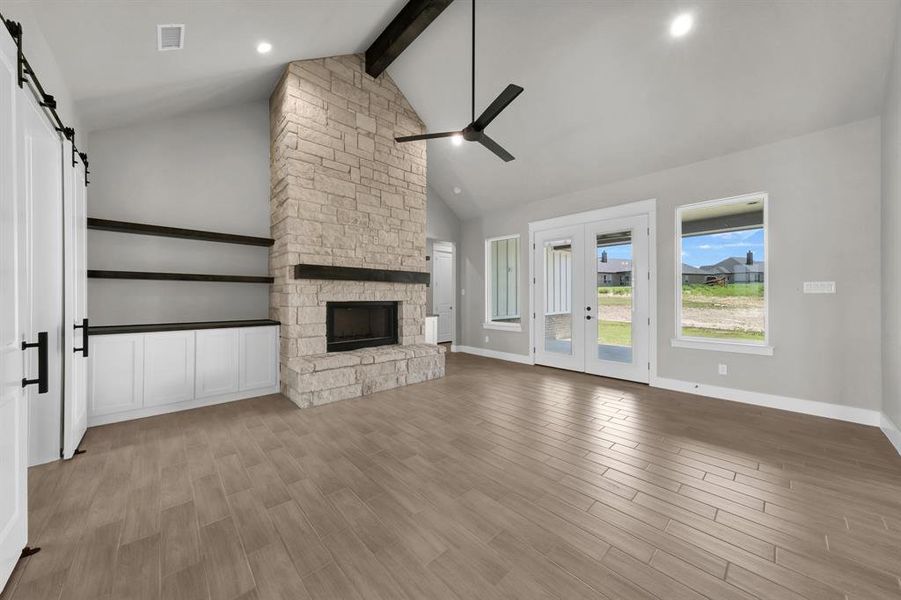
152, 327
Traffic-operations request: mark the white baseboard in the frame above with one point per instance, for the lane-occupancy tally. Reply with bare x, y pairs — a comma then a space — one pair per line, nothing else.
508, 356
891, 431
852, 414
152, 411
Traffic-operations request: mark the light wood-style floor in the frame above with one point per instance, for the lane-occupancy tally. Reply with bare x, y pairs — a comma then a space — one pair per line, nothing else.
498, 481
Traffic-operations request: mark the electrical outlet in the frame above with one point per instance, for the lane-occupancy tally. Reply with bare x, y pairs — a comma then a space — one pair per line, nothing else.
819, 287
723, 369
487, 339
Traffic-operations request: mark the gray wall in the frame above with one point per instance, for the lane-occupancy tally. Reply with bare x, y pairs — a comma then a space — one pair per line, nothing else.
824, 225
891, 239
442, 225
207, 170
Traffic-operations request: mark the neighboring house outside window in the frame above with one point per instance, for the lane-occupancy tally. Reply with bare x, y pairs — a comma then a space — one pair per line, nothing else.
502, 307
721, 299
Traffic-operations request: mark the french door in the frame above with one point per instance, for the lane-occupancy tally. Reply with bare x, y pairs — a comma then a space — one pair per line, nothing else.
591, 298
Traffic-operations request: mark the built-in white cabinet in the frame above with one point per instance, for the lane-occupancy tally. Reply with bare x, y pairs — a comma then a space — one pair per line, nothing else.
259, 358
116, 374
218, 365
168, 367
134, 375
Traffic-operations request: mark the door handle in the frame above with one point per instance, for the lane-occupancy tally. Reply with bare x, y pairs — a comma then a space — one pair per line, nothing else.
84, 338
41, 345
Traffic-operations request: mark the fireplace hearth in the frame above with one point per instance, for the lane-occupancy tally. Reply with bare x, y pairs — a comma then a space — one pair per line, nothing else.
352, 325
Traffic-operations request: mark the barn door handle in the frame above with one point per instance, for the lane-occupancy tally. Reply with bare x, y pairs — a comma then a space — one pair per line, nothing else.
41, 345
84, 338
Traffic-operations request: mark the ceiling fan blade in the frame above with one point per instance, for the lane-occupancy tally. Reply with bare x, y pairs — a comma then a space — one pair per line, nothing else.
494, 109
495, 147
426, 136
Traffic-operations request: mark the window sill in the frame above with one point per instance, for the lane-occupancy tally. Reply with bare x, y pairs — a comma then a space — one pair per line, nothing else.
719, 346
503, 326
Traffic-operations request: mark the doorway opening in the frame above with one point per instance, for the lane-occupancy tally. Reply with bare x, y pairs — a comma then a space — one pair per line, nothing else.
443, 290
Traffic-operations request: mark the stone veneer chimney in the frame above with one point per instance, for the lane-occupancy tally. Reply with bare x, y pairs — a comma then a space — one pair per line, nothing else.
343, 193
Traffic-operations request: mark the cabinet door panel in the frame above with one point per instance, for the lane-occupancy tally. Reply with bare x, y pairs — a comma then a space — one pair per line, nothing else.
217, 362
168, 367
259, 358
117, 378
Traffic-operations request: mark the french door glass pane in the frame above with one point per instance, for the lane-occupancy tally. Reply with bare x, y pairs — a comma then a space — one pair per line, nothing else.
558, 285
614, 286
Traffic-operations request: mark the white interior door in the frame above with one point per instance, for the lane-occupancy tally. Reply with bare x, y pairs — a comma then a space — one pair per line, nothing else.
591, 298
13, 415
443, 290
77, 346
558, 261
39, 187
617, 337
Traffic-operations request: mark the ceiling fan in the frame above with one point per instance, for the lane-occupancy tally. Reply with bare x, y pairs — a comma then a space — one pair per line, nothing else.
475, 131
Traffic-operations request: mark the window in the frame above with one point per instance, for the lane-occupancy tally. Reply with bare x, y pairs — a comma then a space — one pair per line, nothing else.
721, 295
502, 283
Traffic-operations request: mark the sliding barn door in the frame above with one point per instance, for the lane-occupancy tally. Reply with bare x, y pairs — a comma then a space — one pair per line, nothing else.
39, 154
76, 346
13, 415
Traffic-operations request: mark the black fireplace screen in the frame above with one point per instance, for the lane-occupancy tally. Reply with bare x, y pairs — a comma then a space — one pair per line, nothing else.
351, 325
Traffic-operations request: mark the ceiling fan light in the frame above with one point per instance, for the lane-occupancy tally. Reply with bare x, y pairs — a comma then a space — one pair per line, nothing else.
457, 139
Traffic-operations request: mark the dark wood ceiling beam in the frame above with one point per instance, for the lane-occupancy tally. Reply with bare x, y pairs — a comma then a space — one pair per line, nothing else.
412, 20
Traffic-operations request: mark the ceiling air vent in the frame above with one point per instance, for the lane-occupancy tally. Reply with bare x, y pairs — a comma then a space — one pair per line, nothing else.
170, 37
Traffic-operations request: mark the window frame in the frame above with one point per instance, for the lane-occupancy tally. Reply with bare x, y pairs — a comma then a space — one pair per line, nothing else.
487, 322
724, 345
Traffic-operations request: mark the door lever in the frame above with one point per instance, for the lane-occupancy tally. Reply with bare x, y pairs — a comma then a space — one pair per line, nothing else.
41, 345
84, 338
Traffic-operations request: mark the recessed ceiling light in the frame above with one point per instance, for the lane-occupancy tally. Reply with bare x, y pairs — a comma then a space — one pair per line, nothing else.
681, 25
457, 139
264, 47
457, 190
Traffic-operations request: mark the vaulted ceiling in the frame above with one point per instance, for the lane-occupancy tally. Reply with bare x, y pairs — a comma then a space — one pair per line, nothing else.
107, 49
608, 93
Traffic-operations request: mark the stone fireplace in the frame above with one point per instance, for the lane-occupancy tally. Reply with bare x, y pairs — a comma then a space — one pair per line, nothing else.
348, 218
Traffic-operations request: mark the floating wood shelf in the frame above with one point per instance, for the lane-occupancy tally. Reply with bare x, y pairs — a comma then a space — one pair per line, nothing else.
177, 232
95, 274
154, 327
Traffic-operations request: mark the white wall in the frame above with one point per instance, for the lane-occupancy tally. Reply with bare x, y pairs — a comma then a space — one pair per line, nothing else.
891, 241
207, 170
824, 225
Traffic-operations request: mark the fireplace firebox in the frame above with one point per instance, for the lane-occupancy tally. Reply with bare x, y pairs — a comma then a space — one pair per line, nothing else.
351, 325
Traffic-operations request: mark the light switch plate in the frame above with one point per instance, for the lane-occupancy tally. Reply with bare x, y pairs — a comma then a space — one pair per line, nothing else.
819, 287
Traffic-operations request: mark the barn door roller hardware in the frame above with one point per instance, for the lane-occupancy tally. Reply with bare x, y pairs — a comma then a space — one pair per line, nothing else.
27, 75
